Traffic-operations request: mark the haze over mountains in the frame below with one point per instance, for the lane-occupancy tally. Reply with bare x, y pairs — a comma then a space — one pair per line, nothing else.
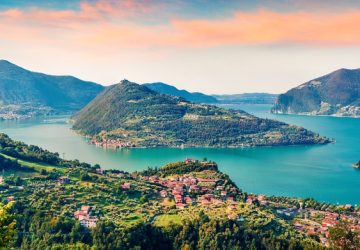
26, 93
23, 88
134, 115
337, 93
196, 97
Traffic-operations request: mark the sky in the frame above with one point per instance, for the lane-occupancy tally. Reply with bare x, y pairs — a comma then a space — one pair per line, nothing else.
211, 46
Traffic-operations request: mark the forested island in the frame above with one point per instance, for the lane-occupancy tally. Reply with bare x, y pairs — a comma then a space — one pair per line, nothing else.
50, 203
132, 115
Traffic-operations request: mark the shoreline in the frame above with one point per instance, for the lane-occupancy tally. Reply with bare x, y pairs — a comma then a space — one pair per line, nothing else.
314, 115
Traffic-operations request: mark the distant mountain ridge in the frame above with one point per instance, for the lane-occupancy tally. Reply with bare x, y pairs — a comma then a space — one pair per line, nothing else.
337, 93
128, 114
20, 87
247, 98
195, 97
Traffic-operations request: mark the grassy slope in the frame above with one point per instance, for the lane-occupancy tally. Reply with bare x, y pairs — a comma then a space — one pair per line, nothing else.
36, 166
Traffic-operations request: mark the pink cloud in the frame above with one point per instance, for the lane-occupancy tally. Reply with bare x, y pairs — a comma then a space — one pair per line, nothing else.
108, 25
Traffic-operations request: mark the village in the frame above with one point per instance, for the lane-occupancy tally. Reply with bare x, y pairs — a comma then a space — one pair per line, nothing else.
112, 143
204, 189
189, 190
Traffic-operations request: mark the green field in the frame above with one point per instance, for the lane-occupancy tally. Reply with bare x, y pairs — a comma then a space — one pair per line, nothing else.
36, 166
165, 220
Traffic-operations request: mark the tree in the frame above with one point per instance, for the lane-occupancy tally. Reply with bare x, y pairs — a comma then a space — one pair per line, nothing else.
341, 237
7, 225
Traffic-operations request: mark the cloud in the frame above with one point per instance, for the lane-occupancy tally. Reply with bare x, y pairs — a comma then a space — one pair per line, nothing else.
114, 25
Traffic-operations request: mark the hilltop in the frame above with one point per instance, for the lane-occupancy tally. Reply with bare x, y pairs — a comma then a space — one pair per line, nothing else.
128, 114
26, 92
194, 97
337, 93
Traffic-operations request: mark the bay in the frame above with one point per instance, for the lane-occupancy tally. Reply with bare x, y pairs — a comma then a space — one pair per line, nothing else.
321, 172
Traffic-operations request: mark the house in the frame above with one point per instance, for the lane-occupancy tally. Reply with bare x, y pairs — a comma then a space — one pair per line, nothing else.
232, 216
64, 180
100, 171
194, 188
188, 200
83, 215
178, 198
154, 178
290, 212
163, 193
10, 198
1, 179
223, 193
86, 208
181, 205
230, 198
189, 160
88, 222
126, 185
250, 199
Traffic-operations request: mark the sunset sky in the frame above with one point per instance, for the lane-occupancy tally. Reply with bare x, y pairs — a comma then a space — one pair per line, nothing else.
212, 46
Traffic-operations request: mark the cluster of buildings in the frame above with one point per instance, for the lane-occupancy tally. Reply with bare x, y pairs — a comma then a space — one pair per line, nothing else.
112, 143
315, 226
309, 220
84, 216
188, 190
63, 180
13, 116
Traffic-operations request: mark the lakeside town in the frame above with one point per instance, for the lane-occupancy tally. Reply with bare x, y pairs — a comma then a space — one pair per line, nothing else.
187, 190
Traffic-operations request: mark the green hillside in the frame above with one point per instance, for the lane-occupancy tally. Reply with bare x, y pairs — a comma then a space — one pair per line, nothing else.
25, 91
337, 93
128, 114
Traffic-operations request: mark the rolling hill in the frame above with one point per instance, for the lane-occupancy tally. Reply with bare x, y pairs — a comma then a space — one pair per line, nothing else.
337, 93
128, 114
23, 89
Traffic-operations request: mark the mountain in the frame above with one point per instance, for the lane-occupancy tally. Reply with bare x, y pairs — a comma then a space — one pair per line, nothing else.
337, 93
195, 97
247, 98
22, 88
128, 114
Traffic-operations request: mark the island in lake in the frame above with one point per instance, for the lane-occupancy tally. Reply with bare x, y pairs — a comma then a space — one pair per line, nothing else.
131, 115
356, 165
183, 205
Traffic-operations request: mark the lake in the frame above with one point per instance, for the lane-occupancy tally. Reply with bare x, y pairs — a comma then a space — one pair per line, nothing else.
321, 172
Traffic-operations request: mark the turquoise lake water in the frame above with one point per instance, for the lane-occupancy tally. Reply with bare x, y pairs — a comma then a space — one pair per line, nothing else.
321, 172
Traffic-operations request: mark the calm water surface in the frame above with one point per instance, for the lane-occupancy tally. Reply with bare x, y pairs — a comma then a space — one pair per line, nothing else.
321, 172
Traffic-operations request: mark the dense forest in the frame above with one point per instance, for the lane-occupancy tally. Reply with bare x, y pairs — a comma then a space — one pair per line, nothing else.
134, 115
